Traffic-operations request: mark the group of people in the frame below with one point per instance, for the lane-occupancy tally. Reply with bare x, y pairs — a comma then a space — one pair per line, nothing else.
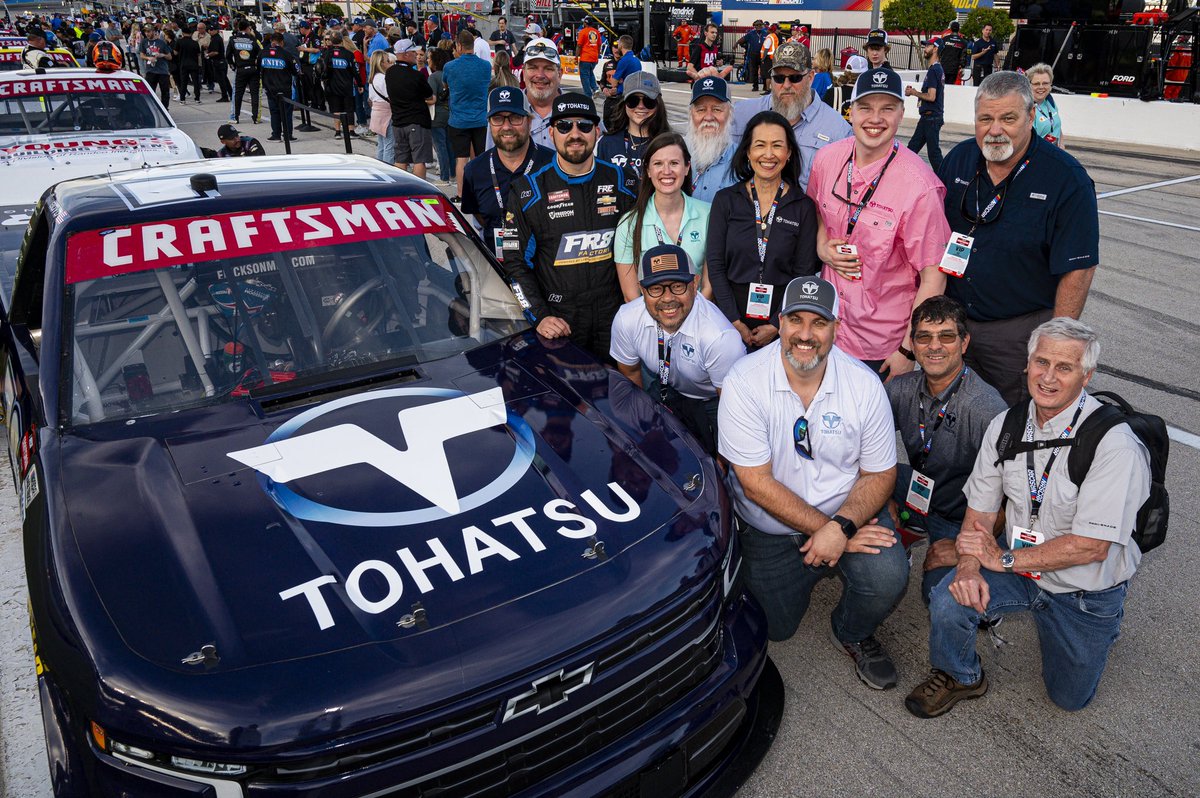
774, 274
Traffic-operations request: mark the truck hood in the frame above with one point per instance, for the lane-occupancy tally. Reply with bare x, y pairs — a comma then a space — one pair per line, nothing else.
43, 161
394, 518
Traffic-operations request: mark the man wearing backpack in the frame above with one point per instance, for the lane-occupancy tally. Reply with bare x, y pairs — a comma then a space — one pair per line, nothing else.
1069, 549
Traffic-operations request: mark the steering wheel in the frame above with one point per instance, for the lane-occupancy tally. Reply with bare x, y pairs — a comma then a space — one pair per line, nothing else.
344, 315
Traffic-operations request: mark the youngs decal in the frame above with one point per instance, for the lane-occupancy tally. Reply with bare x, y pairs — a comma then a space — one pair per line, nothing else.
308, 446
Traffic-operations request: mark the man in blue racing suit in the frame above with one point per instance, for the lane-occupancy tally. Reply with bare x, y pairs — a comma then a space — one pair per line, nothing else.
558, 232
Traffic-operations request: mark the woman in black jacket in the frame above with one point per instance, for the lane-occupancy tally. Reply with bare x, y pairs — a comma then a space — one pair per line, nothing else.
762, 230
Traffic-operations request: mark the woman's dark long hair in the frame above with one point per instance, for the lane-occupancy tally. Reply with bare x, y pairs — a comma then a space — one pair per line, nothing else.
740, 164
646, 189
655, 125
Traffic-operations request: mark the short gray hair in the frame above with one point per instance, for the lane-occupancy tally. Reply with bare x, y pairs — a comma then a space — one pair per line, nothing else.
1003, 83
1066, 328
1040, 69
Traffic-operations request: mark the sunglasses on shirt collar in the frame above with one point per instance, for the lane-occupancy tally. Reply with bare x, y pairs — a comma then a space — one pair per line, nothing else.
801, 439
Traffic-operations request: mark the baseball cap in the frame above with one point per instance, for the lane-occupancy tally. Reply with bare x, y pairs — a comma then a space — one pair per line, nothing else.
334, 21
541, 48
811, 294
574, 105
360, 21
304, 23
404, 46
665, 263
228, 132
927, 42
705, 87
507, 100
877, 37
793, 55
642, 83
35, 33
880, 80
858, 64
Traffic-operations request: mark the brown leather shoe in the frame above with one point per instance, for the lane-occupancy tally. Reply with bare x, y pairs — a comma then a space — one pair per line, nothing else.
938, 694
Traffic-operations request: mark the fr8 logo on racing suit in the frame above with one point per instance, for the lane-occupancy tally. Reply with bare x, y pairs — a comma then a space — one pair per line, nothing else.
590, 247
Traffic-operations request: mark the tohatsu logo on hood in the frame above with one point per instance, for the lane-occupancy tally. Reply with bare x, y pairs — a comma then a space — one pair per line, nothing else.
414, 456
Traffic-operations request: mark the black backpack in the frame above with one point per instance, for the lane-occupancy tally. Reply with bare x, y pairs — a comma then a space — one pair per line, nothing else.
1151, 526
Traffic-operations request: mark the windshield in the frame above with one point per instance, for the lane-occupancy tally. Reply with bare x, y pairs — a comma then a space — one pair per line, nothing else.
199, 311
10, 58
13, 221
43, 105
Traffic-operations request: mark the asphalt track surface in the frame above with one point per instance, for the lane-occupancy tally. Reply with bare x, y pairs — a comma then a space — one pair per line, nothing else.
1141, 735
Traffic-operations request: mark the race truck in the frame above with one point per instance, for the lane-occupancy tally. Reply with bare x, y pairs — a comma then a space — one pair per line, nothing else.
308, 509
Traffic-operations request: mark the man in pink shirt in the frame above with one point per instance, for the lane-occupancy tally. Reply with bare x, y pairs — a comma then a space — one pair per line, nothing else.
883, 229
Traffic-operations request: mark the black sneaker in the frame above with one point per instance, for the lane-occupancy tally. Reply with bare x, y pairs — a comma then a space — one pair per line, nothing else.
938, 694
871, 662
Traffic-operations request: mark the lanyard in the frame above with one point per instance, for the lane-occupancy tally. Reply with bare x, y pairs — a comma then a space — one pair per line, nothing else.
1001, 190
870, 192
496, 182
664, 363
927, 445
762, 229
659, 234
1037, 490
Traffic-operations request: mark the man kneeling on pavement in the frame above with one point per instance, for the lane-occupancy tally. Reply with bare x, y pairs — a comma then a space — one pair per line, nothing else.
808, 433
1074, 576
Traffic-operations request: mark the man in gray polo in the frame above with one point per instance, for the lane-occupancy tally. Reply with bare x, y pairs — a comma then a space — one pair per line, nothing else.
814, 122
941, 412
1068, 554
680, 337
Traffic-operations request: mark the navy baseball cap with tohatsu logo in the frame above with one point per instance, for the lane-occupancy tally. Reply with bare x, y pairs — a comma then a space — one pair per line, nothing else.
574, 105
710, 87
665, 263
879, 80
811, 294
508, 100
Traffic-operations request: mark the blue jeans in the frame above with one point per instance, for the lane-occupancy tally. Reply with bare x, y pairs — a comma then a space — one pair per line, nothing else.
1076, 630
361, 112
928, 135
385, 147
936, 528
782, 583
441, 148
587, 76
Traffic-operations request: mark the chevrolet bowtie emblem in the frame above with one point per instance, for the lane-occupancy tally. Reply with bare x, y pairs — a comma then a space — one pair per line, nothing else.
549, 691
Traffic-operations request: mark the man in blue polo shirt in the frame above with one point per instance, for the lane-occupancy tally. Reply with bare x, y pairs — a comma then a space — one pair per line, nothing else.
489, 177
709, 139
931, 104
627, 63
1025, 228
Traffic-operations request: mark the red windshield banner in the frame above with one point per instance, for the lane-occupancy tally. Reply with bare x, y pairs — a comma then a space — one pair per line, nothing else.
141, 247
37, 87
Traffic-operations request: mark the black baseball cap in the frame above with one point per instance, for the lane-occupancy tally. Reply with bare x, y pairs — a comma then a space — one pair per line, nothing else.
574, 105
508, 100
665, 263
880, 80
811, 294
877, 37
710, 87
228, 132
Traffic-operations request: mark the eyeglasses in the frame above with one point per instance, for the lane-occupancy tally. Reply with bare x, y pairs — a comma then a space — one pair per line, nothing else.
779, 79
800, 438
584, 125
986, 216
641, 100
943, 336
512, 120
658, 289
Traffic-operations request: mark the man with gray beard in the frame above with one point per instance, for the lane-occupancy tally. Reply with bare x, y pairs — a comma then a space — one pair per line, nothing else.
807, 431
542, 73
708, 138
1025, 228
814, 123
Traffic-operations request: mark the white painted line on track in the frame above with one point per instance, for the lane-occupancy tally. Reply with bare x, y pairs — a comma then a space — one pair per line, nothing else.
1181, 436
1147, 187
1150, 221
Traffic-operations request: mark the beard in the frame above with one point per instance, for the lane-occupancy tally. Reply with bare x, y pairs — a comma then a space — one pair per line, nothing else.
511, 143
803, 366
997, 149
706, 144
540, 95
576, 158
790, 106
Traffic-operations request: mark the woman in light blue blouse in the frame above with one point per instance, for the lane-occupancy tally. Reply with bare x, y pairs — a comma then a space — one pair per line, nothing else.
1047, 119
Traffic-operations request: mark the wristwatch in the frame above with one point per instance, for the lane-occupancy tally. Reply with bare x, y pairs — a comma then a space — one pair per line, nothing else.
1008, 560
849, 528
908, 353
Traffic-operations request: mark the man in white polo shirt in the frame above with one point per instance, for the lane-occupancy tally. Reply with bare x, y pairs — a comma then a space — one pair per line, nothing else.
681, 339
808, 432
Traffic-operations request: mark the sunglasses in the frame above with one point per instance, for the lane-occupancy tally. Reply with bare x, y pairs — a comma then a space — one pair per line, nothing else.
943, 336
658, 289
541, 49
780, 79
800, 438
641, 101
584, 125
